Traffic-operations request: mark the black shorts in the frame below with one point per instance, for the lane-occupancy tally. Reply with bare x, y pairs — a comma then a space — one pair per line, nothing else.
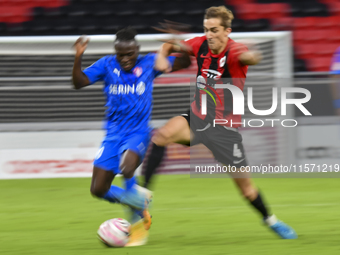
224, 142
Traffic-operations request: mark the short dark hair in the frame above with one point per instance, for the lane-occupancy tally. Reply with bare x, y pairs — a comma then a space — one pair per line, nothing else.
126, 34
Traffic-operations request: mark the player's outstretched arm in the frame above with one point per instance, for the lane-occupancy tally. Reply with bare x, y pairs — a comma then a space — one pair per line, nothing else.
173, 45
79, 79
250, 57
245, 56
162, 63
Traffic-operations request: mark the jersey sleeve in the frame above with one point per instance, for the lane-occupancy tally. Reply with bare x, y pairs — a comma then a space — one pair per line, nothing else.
335, 64
96, 71
236, 49
195, 44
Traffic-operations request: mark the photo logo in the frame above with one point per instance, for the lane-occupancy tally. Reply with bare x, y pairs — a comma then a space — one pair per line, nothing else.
238, 101
212, 97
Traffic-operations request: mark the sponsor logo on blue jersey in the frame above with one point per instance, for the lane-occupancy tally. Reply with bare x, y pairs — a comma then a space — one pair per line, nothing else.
124, 89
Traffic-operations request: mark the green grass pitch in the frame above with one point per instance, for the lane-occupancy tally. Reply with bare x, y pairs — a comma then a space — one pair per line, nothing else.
190, 216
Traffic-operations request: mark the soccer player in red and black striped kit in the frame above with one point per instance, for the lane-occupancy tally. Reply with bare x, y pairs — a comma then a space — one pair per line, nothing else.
219, 60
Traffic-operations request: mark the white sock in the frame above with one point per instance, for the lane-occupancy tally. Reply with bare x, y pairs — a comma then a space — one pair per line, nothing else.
271, 220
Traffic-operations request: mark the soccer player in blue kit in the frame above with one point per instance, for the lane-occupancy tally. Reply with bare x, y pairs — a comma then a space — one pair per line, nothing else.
128, 79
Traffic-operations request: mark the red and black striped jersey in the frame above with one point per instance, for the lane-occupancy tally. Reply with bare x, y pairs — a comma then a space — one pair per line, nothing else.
217, 69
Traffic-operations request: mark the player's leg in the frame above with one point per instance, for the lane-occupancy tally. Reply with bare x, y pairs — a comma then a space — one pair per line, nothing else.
134, 194
155, 158
226, 145
250, 193
106, 166
129, 163
176, 130
101, 185
104, 171
134, 151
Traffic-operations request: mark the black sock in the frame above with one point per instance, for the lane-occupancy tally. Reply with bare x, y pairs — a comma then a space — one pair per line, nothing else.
260, 206
155, 158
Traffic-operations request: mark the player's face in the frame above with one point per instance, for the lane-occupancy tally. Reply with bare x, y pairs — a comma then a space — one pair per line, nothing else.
127, 53
217, 35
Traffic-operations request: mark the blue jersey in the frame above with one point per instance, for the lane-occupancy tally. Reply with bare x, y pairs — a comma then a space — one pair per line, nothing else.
128, 94
335, 65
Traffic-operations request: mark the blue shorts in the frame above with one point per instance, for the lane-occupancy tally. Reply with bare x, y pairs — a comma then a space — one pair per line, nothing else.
109, 155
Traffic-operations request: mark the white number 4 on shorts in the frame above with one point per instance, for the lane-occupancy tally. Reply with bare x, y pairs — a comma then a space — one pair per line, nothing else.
237, 152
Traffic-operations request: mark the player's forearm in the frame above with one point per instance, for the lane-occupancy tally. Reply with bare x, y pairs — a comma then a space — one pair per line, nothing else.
167, 48
79, 79
250, 57
162, 63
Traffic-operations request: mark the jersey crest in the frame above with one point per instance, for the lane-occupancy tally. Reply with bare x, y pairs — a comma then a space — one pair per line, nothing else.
137, 71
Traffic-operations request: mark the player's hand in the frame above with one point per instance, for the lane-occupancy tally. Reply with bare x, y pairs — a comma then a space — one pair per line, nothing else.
80, 45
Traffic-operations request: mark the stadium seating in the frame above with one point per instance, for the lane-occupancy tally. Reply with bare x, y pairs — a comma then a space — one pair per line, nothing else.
312, 21
283, 23
141, 14
319, 64
14, 14
315, 26
305, 51
254, 11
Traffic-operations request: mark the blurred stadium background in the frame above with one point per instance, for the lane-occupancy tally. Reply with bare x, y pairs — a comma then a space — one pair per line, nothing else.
314, 23
48, 128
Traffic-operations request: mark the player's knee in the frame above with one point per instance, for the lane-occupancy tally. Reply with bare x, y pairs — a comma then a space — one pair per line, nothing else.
98, 192
249, 193
161, 137
129, 164
128, 168
128, 173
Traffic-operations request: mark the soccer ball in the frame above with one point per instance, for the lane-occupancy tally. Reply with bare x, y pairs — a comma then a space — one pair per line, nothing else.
114, 232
